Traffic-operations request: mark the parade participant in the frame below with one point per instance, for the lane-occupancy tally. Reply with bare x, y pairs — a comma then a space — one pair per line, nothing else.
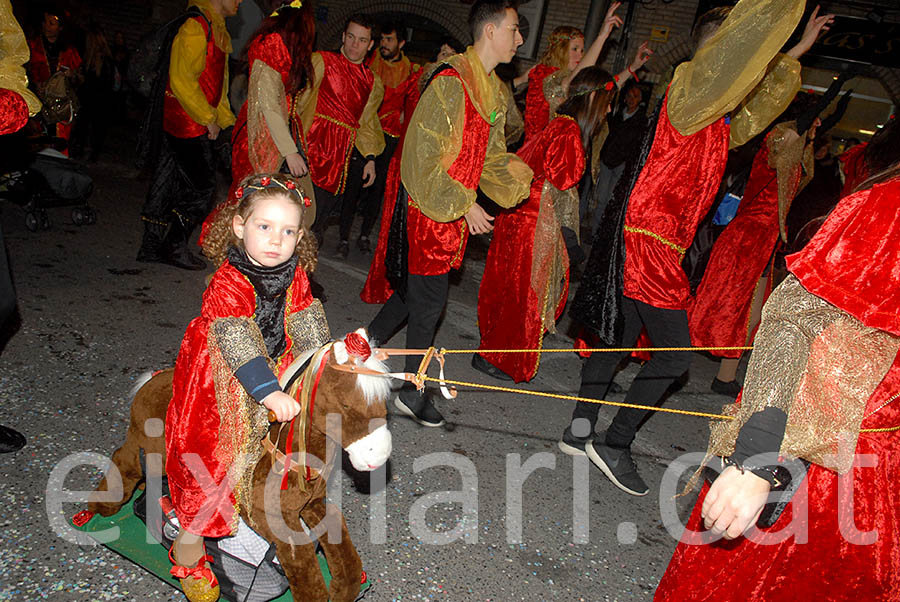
564, 57
195, 110
280, 69
822, 385
738, 276
394, 70
257, 314
455, 143
17, 103
50, 54
526, 275
377, 288
703, 113
339, 113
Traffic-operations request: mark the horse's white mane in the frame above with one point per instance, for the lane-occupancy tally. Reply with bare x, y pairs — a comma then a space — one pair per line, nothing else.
374, 388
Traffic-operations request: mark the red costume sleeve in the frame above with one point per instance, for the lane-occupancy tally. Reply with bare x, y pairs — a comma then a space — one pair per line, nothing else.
272, 51
564, 157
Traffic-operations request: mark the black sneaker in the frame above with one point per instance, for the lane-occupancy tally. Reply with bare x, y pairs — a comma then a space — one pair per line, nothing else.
482, 365
729, 388
363, 244
10, 440
572, 445
618, 466
343, 249
419, 407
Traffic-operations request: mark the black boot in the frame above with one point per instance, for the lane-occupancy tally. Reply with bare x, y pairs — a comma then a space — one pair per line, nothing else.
151, 250
177, 252
10, 440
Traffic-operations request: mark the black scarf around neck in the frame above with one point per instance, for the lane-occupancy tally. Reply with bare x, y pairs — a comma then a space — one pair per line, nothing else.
270, 286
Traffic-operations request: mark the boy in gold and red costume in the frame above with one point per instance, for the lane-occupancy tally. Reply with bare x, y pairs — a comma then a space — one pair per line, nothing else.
733, 87
455, 144
339, 111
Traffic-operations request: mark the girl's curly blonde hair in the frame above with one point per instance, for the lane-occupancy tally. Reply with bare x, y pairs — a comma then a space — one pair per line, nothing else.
557, 53
221, 233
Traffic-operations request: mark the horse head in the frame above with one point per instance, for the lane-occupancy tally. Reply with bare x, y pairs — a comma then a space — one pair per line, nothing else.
332, 386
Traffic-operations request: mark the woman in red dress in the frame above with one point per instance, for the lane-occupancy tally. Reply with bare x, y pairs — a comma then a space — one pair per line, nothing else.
526, 276
822, 385
738, 277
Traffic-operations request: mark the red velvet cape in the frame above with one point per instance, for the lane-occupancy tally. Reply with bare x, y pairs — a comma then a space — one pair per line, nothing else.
853, 262
510, 304
192, 420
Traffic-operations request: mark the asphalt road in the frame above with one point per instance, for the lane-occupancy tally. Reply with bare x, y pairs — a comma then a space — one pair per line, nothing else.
93, 320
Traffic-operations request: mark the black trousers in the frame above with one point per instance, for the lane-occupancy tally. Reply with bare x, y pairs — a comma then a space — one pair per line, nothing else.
184, 182
326, 203
366, 200
666, 328
425, 301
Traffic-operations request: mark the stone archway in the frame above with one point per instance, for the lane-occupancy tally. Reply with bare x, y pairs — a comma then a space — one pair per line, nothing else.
453, 21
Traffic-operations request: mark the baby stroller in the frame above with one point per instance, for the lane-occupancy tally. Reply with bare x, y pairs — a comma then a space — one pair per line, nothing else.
45, 180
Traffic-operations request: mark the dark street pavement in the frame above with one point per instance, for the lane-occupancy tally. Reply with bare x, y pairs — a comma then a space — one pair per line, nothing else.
93, 320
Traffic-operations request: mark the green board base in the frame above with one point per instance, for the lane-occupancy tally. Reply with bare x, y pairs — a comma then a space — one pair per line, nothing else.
153, 557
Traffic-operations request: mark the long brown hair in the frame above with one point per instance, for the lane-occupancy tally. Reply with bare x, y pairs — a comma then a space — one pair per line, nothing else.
557, 52
297, 28
590, 93
221, 233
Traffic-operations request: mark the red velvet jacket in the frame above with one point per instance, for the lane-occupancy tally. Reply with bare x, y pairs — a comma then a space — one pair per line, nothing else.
436, 247
673, 193
343, 95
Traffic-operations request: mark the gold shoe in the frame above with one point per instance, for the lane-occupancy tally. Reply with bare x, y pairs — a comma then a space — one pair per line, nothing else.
198, 583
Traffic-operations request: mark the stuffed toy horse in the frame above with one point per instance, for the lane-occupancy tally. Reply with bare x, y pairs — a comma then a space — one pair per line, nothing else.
326, 383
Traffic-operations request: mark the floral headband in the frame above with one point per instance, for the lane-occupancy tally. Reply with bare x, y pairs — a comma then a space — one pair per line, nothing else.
555, 38
267, 182
294, 4
608, 86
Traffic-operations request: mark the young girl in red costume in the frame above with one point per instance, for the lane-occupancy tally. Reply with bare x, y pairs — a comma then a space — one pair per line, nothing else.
257, 314
526, 277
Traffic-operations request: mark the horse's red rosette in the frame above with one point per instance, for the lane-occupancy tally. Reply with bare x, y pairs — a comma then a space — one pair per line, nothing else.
82, 518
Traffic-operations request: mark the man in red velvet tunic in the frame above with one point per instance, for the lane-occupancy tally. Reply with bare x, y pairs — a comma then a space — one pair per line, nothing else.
393, 69
455, 144
732, 88
195, 110
339, 113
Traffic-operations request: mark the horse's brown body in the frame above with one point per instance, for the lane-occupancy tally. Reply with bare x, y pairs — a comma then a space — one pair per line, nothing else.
337, 393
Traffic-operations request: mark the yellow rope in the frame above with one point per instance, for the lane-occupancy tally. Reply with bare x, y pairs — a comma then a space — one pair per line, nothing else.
888, 429
603, 350
572, 398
